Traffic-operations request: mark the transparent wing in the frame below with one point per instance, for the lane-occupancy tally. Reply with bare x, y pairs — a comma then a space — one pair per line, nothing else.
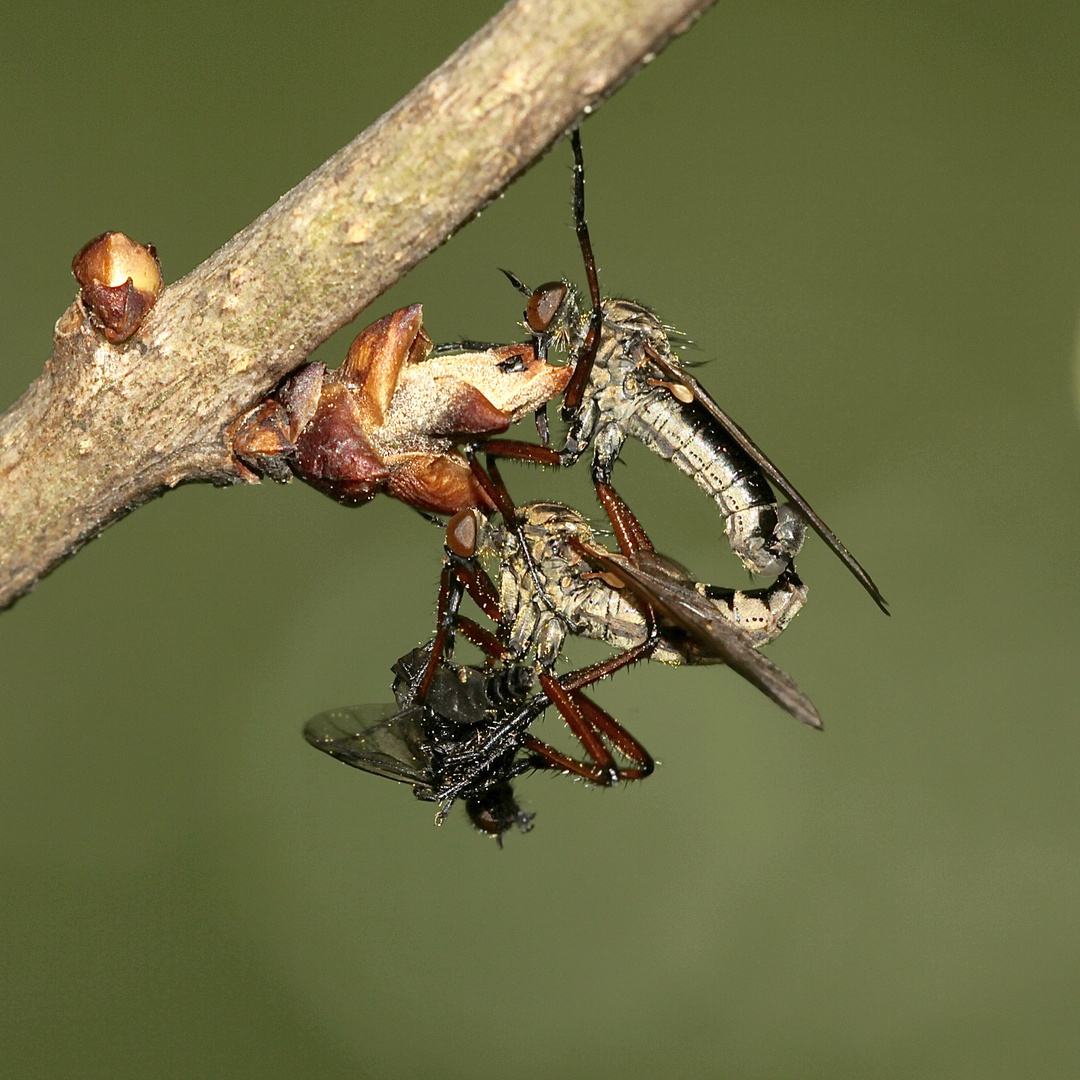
689, 610
379, 739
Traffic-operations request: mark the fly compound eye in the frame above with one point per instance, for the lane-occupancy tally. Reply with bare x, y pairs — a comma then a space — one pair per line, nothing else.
495, 811
544, 305
462, 533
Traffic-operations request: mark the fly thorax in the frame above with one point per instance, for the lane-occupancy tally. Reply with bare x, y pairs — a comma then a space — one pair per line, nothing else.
548, 554
458, 696
549, 529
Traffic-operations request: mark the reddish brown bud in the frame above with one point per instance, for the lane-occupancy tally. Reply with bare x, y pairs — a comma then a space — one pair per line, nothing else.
333, 452
119, 281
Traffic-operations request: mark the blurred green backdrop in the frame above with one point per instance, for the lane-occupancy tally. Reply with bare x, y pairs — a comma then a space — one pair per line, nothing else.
868, 217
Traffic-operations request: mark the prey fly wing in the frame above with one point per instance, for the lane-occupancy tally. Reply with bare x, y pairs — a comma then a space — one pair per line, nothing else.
381, 739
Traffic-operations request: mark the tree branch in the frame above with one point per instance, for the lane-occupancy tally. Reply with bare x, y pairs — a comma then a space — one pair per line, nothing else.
106, 427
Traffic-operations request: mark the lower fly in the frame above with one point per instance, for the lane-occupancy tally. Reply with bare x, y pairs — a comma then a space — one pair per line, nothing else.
577, 600
556, 580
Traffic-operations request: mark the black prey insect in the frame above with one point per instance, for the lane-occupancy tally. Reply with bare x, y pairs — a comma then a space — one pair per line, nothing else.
434, 744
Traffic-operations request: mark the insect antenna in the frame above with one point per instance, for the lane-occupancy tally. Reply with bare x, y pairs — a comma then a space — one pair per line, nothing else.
516, 282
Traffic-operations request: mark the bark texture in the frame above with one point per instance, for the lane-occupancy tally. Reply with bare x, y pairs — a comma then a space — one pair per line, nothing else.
107, 427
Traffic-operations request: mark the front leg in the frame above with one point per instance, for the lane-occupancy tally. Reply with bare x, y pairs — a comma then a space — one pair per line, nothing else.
581, 431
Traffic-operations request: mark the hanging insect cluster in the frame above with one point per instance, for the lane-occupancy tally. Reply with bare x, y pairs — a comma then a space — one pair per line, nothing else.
411, 420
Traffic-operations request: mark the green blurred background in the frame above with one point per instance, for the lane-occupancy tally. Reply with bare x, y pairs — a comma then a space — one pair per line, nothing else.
868, 217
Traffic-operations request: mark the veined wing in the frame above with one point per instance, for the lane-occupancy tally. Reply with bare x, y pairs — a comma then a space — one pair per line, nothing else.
692, 612
379, 739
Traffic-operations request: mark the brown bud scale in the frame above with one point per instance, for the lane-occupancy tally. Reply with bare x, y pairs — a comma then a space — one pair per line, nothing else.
389, 419
119, 282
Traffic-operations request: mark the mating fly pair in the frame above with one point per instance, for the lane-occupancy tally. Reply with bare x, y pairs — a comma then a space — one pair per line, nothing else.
394, 417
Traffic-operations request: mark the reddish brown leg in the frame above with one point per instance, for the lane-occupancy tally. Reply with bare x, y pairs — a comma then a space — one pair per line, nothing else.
585, 733
460, 573
586, 719
481, 588
450, 622
629, 532
632, 538
521, 451
586, 676
583, 365
618, 736
556, 759
483, 639
492, 483
450, 592
596, 771
490, 479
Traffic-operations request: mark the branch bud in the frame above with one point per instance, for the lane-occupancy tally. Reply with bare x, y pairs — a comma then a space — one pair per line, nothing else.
119, 281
